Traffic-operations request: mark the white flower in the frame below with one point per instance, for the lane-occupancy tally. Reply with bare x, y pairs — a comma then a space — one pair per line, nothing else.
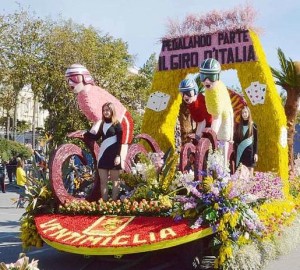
249, 198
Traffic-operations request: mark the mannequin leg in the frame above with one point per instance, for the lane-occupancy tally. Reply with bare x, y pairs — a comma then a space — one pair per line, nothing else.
114, 175
251, 171
103, 183
224, 146
226, 149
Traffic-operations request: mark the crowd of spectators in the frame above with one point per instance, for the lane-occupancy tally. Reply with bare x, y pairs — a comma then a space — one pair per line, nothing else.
35, 167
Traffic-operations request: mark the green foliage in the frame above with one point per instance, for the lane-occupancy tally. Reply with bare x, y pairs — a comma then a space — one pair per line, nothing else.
137, 120
40, 200
22, 126
294, 186
10, 149
287, 77
30, 55
149, 68
39, 196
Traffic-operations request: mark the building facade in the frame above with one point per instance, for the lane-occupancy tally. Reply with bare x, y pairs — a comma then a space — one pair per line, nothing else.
25, 111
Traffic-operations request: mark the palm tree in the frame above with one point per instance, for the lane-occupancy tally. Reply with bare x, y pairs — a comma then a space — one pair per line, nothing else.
289, 79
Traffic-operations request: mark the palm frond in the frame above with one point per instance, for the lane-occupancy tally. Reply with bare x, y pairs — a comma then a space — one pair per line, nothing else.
287, 76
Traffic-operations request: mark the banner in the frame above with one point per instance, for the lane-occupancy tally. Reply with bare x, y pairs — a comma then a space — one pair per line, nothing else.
186, 52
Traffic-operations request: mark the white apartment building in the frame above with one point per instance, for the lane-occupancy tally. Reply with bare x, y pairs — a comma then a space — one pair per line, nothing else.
25, 113
25, 109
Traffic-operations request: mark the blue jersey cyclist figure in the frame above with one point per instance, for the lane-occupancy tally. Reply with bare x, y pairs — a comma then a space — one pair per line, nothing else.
196, 104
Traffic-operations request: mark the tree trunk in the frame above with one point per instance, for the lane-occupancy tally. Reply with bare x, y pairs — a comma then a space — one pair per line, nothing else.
15, 124
7, 126
185, 122
33, 121
291, 108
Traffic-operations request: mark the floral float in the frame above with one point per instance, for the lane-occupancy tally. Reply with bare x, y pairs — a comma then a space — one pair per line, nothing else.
161, 207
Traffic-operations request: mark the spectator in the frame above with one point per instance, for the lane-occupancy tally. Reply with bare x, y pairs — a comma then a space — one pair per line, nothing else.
21, 181
41, 163
2, 174
11, 169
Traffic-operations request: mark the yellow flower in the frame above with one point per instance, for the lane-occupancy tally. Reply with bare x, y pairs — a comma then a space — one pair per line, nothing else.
224, 235
222, 258
216, 206
228, 188
165, 201
221, 225
233, 220
226, 217
207, 183
228, 251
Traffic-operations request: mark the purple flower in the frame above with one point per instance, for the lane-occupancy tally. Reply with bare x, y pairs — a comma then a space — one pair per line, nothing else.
215, 227
184, 199
249, 224
215, 191
178, 218
189, 205
235, 235
196, 192
197, 223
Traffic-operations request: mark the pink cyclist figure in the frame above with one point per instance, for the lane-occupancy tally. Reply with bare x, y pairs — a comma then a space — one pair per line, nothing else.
91, 98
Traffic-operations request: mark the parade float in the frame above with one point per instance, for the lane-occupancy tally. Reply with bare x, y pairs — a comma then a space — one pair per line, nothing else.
163, 207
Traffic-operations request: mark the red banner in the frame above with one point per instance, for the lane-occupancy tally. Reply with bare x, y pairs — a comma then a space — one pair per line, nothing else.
113, 235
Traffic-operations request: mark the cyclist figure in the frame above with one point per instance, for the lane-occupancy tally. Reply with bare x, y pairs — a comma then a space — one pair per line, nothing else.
195, 101
218, 103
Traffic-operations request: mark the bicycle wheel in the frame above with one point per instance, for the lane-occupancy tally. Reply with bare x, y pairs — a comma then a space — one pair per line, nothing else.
61, 155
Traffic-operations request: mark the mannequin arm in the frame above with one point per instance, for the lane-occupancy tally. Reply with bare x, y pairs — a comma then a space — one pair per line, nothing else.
200, 127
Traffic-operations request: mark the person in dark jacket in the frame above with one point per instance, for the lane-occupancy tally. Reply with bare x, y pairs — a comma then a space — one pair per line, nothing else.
11, 168
2, 174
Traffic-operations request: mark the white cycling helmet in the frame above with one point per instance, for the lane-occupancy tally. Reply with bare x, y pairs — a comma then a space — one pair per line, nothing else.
74, 70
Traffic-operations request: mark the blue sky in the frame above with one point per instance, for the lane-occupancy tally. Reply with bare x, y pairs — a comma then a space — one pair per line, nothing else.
142, 23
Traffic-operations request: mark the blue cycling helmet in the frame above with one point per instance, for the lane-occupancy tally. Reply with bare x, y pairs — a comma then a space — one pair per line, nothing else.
187, 85
210, 68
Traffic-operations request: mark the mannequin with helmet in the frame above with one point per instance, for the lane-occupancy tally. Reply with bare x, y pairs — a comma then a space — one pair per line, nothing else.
91, 99
77, 77
218, 102
196, 104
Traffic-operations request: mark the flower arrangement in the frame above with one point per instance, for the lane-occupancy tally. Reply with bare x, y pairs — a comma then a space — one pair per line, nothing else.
212, 22
125, 207
152, 178
294, 179
21, 264
226, 204
40, 200
240, 209
148, 188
